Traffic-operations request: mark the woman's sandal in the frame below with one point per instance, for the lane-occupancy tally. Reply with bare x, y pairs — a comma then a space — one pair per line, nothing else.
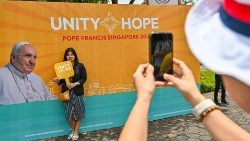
75, 137
70, 136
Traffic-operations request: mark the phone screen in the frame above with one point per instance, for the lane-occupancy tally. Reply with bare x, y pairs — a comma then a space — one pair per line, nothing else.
161, 54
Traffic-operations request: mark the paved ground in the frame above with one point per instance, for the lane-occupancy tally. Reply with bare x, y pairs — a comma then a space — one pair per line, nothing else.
181, 128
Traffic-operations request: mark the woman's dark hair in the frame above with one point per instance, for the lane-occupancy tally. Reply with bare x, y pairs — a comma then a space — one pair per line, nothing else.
70, 49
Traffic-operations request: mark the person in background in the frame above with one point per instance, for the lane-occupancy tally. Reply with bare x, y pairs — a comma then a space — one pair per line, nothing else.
218, 85
75, 108
18, 82
227, 52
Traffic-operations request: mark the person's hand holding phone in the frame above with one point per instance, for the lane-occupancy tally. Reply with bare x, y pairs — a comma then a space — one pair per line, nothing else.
184, 81
144, 81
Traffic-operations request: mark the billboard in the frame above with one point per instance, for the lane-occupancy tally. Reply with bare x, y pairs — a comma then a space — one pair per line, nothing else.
110, 40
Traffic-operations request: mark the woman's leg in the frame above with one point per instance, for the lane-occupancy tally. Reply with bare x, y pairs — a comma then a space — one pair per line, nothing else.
72, 124
77, 126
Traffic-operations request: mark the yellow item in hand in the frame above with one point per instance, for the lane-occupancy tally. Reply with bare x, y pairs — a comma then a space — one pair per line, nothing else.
64, 70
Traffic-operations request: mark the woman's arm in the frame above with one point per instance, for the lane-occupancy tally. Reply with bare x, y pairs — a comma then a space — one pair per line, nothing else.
80, 78
83, 74
218, 125
224, 129
136, 127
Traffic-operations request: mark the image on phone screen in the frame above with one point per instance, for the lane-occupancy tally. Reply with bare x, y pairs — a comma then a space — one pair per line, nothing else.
161, 54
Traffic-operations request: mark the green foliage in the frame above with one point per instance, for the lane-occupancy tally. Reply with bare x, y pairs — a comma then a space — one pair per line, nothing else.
207, 81
189, 2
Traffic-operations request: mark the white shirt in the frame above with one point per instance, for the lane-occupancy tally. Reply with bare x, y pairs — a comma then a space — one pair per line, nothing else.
17, 87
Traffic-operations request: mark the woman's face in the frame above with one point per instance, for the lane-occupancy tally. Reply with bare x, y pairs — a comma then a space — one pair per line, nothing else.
70, 56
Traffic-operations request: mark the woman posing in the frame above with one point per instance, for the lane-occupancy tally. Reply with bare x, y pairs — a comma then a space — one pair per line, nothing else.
75, 109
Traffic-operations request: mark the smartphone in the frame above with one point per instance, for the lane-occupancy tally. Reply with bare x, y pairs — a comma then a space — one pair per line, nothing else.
161, 54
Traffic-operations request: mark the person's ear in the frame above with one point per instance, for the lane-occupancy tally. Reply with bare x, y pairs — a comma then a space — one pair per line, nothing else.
13, 56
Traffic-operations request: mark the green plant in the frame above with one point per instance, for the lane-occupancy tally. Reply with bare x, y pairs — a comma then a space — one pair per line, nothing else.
207, 81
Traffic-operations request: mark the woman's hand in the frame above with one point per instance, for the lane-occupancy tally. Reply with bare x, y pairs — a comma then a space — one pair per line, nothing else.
72, 85
184, 81
144, 81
